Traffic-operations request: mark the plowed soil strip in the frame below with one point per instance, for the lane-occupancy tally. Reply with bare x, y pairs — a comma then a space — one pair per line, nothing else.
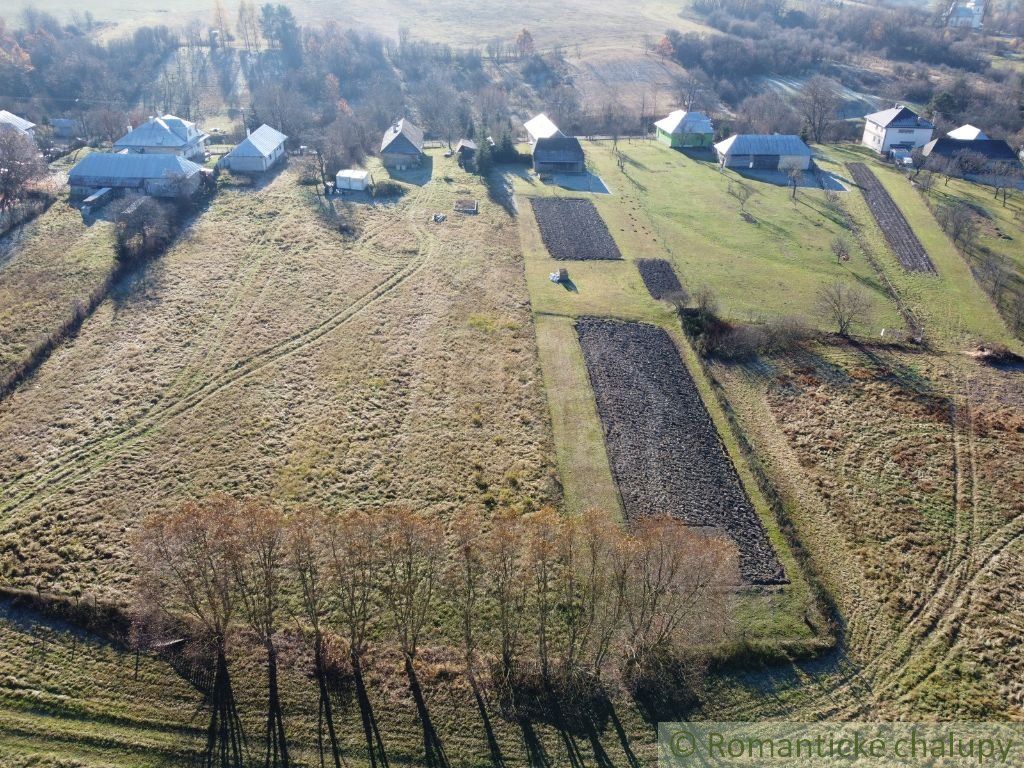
659, 277
894, 226
665, 452
573, 230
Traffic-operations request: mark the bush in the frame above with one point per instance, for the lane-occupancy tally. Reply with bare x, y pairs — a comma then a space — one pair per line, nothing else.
387, 188
144, 227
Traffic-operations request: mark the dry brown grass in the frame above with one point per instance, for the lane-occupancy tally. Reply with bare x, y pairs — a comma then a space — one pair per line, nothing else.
46, 267
266, 354
908, 472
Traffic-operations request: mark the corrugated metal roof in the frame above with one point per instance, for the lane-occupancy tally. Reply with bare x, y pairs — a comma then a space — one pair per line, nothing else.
108, 165
763, 144
350, 173
967, 133
260, 143
558, 149
404, 128
166, 131
994, 150
11, 119
682, 121
541, 127
898, 117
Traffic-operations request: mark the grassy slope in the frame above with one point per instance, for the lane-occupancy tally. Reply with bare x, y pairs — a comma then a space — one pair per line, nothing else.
45, 268
861, 454
954, 309
265, 353
615, 289
912, 461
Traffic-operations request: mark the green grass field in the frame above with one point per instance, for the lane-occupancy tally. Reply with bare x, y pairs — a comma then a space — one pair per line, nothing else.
615, 289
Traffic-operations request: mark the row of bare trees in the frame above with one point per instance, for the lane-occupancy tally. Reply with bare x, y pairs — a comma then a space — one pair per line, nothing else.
541, 597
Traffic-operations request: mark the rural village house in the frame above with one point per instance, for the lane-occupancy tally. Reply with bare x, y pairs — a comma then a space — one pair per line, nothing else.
896, 128
764, 152
541, 127
558, 154
10, 121
66, 127
261, 150
465, 151
402, 146
167, 135
156, 175
685, 129
966, 14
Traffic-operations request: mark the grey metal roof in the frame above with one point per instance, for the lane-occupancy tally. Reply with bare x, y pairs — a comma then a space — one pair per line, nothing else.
166, 131
558, 149
468, 144
541, 127
898, 117
763, 144
682, 121
128, 167
403, 128
11, 119
260, 143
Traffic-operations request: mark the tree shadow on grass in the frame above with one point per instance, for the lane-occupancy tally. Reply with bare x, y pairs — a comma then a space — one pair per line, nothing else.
499, 187
433, 748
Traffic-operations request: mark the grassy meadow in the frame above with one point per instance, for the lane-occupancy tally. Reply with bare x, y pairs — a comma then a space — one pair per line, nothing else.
360, 354
47, 266
899, 470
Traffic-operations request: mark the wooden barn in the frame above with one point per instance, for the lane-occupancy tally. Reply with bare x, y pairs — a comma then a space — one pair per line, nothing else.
559, 154
402, 146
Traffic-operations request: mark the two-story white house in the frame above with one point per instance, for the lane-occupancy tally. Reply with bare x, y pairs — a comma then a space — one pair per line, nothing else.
896, 128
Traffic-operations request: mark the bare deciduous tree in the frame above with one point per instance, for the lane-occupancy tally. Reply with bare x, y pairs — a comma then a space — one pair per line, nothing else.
818, 101
183, 561
841, 249
845, 306
412, 550
20, 165
354, 540
307, 563
257, 560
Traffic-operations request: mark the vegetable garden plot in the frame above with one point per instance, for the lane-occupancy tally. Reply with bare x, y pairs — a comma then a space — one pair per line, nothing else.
573, 230
894, 226
659, 277
665, 453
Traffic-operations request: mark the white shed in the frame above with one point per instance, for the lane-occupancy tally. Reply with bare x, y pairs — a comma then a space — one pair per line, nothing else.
260, 151
351, 179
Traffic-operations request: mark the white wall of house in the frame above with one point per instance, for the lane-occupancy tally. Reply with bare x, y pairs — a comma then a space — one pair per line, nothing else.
760, 162
882, 139
190, 153
250, 164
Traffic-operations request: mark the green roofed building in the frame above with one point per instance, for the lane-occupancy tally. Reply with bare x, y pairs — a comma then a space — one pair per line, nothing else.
686, 130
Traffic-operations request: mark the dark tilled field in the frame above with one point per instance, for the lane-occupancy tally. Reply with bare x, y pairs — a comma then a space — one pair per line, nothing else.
573, 230
894, 226
659, 277
665, 453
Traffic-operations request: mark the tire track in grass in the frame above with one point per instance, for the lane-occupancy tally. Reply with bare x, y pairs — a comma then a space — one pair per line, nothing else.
71, 467
175, 391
